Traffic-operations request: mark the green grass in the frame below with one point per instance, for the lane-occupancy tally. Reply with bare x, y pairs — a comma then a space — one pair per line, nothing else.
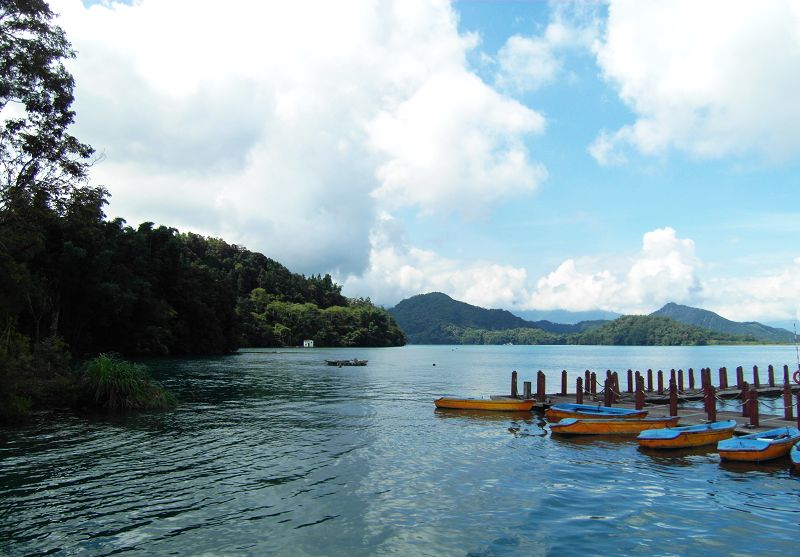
111, 383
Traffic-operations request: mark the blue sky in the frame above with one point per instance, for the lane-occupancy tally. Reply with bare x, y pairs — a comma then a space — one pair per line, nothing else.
526, 155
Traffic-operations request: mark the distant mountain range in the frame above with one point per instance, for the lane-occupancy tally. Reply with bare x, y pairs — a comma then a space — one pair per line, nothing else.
436, 318
564, 316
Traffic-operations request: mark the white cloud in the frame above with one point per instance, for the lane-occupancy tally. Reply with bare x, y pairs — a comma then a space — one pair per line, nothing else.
289, 126
664, 271
712, 79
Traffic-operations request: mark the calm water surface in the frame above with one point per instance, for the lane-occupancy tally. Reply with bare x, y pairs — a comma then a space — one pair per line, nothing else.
278, 454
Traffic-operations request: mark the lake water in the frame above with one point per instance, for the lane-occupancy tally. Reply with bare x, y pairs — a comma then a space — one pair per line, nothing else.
278, 454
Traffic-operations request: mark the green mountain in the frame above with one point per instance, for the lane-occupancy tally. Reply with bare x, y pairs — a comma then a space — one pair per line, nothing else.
649, 330
436, 318
710, 320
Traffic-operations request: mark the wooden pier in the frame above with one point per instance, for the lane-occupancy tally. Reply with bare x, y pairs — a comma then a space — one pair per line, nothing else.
660, 400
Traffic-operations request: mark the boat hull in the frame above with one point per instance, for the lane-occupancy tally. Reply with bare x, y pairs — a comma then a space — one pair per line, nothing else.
794, 456
484, 404
759, 447
687, 437
592, 426
561, 411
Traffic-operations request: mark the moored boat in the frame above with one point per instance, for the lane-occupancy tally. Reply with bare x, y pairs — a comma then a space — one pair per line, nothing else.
610, 426
794, 456
565, 410
758, 447
353, 362
686, 436
497, 405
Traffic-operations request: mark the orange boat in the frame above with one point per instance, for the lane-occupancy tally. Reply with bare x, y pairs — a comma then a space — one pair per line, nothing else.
564, 410
594, 426
497, 405
686, 436
758, 447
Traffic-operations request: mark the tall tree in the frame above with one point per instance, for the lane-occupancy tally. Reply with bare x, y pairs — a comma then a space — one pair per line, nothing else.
37, 155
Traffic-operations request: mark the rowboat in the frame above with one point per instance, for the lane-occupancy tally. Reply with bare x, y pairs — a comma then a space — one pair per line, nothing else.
794, 456
686, 436
497, 405
610, 426
353, 362
565, 410
758, 447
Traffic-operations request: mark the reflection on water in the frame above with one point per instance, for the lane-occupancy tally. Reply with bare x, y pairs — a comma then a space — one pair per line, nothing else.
277, 453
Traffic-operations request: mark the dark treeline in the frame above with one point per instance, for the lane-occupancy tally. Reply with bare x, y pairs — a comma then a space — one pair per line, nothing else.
73, 283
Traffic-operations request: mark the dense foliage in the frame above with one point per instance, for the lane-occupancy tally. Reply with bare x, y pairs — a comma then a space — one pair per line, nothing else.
110, 383
710, 320
646, 330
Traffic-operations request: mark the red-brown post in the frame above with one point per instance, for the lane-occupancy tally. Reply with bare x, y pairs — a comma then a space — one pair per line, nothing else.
739, 377
587, 383
526, 389
691, 379
660, 382
680, 380
673, 397
540, 396
672, 375
798, 410
514, 383
787, 402
756, 378
630, 381
771, 375
785, 373
650, 380
614, 387
607, 399
594, 384
753, 407
579, 390
723, 378
745, 389
639, 398
563, 382
711, 404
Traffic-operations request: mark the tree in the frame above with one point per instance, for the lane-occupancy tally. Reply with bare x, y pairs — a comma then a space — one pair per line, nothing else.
36, 152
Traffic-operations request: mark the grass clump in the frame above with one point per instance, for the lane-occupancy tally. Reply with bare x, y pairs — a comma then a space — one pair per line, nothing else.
111, 383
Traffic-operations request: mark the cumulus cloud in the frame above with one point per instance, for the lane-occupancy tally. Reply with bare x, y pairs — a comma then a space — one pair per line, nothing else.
712, 79
290, 126
665, 270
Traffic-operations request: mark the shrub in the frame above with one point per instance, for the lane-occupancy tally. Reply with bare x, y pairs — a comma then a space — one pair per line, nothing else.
111, 383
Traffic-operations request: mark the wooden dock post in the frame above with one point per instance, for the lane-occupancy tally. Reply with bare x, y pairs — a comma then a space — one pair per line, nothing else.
785, 374
787, 402
711, 403
593, 387
650, 380
673, 397
771, 375
798, 410
579, 390
691, 379
514, 383
639, 397
739, 377
753, 406
680, 380
587, 383
563, 382
526, 389
615, 390
540, 386
745, 388
723, 378
608, 398
673, 376
630, 381
636, 378
660, 382
756, 378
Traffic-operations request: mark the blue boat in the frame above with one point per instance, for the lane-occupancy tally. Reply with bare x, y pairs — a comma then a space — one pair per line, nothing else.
686, 436
758, 447
565, 410
794, 455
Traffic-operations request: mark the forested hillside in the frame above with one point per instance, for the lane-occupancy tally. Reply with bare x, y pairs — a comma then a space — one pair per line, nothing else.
710, 320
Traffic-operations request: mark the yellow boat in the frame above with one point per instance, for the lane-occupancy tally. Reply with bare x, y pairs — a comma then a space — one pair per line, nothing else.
758, 447
497, 405
564, 410
594, 426
686, 436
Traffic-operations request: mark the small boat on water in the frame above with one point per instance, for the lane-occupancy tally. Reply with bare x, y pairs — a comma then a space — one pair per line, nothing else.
686, 436
758, 447
497, 405
353, 362
610, 426
565, 410
794, 456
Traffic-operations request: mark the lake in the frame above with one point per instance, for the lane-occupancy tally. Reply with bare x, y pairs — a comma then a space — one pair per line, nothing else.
275, 453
